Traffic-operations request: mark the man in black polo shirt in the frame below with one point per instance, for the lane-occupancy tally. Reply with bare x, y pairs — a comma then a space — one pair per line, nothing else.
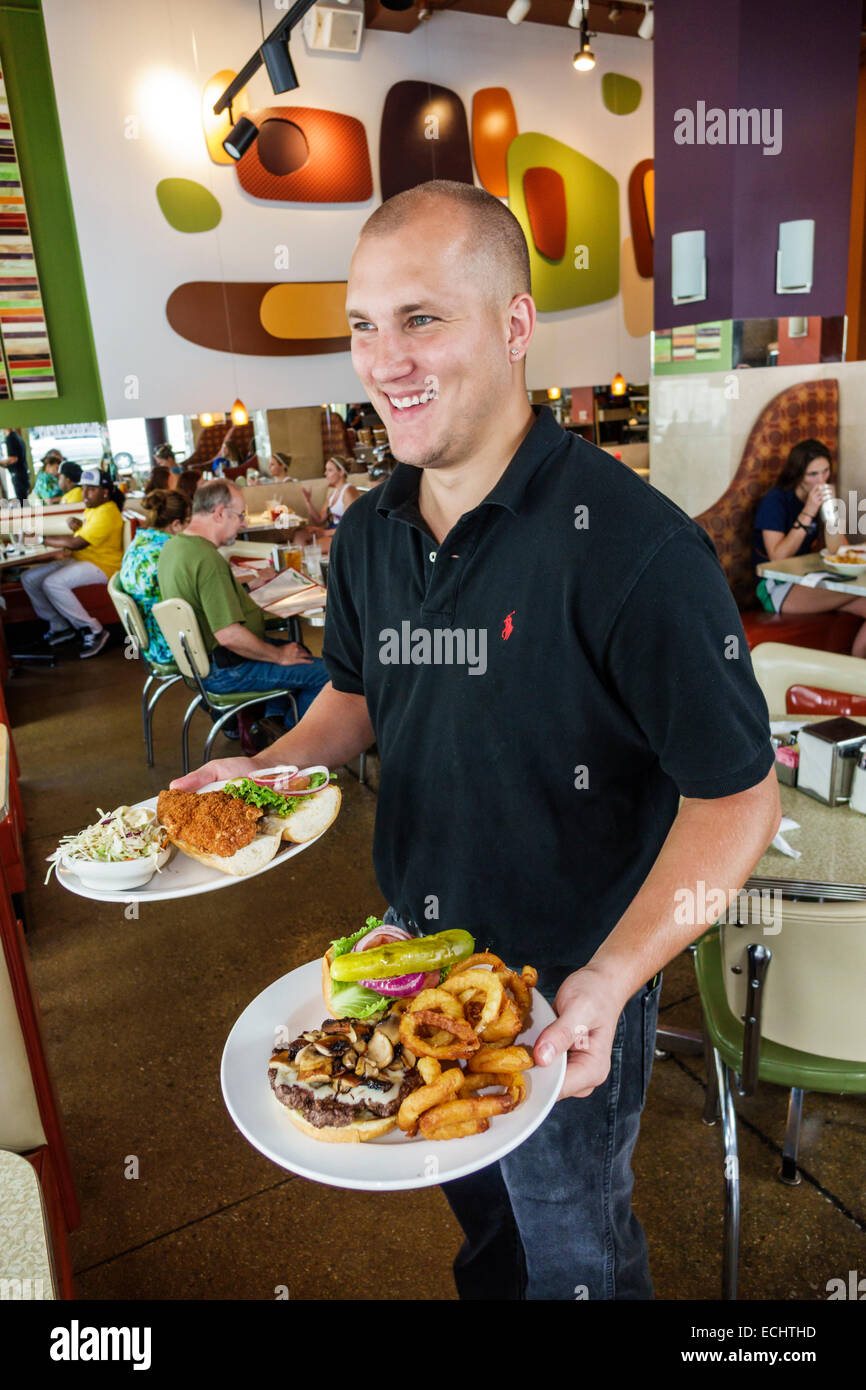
548, 656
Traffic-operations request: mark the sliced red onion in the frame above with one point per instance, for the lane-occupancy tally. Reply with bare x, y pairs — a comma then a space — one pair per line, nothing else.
276, 778
306, 772
379, 935
397, 986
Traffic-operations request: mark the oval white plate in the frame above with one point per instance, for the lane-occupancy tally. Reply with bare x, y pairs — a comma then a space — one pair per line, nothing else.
846, 571
390, 1163
182, 877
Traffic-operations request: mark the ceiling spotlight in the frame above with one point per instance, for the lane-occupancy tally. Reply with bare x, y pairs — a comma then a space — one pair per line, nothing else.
584, 59
240, 137
517, 11
647, 24
578, 14
279, 65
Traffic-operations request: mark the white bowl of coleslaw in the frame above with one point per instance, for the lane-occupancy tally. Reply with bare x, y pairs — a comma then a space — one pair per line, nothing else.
123, 849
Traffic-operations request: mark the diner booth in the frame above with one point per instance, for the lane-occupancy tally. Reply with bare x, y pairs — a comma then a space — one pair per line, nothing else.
183, 196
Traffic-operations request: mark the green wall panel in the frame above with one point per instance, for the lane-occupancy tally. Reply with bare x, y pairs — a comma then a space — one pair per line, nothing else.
43, 170
592, 195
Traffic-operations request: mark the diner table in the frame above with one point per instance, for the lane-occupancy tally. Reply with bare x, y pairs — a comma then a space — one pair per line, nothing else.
33, 555
800, 567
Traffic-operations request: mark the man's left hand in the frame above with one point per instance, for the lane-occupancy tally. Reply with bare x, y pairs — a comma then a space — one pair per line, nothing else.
263, 576
588, 1011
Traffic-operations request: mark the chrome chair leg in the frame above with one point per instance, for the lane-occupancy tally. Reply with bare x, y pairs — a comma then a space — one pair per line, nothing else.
711, 1100
144, 694
790, 1149
730, 1262
184, 737
362, 769
163, 684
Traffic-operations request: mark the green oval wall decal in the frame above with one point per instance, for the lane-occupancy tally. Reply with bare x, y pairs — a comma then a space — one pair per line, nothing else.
188, 206
620, 94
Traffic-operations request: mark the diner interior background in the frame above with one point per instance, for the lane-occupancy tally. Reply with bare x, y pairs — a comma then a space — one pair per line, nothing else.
174, 283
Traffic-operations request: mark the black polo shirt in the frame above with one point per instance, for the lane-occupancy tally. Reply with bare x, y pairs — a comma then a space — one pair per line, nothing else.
543, 686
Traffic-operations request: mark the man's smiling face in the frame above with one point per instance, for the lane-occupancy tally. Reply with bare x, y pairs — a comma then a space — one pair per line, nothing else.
426, 328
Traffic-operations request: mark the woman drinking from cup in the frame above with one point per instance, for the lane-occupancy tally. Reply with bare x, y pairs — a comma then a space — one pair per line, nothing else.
793, 520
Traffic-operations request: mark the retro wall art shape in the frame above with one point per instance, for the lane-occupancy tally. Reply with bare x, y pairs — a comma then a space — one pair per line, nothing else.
544, 192
230, 317
216, 128
28, 369
620, 94
637, 294
641, 214
188, 206
336, 168
424, 135
494, 126
588, 270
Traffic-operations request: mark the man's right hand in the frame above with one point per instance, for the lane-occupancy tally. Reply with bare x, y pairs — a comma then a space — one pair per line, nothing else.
293, 654
220, 770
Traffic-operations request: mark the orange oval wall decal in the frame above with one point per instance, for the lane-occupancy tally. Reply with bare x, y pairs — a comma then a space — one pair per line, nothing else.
544, 191
216, 128
337, 169
649, 197
305, 310
494, 126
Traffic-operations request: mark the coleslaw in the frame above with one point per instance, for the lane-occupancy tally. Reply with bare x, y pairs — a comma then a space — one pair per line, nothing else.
124, 834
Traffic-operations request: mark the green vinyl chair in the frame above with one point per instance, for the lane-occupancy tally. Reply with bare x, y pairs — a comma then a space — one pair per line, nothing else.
160, 674
179, 626
783, 1007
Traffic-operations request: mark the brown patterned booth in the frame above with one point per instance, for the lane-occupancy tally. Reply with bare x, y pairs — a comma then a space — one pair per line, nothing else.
211, 438
809, 410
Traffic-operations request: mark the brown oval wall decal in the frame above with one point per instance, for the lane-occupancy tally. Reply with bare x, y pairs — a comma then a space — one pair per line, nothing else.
283, 146
423, 135
224, 315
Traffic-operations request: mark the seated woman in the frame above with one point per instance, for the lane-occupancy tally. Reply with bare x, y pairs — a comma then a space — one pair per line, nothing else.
69, 478
787, 523
166, 513
47, 486
324, 520
279, 468
159, 480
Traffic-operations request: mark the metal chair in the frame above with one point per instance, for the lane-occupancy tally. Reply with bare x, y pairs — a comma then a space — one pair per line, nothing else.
784, 1007
160, 674
178, 624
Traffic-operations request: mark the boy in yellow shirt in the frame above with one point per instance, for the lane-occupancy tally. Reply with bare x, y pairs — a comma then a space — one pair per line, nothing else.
92, 555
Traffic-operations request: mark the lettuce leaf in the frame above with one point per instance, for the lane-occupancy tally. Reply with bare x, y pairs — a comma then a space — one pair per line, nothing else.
355, 1000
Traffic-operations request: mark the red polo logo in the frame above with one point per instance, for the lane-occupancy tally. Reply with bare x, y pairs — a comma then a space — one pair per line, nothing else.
508, 626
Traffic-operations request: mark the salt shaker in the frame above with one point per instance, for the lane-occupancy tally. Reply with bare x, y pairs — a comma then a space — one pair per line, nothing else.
857, 800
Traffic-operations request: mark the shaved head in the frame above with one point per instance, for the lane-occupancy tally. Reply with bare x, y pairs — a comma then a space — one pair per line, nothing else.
492, 240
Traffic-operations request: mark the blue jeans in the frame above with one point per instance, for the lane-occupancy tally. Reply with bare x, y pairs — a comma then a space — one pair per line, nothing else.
552, 1219
305, 680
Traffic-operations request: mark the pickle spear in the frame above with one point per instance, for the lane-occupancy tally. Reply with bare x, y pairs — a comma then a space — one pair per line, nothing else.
436, 952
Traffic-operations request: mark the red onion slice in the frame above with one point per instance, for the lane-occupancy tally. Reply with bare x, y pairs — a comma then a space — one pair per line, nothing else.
379, 936
305, 772
397, 986
276, 778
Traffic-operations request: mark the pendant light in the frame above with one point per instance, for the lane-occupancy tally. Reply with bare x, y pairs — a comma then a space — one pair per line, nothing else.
205, 420
618, 385
240, 415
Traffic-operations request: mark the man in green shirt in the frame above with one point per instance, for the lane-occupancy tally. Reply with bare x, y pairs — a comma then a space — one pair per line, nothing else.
232, 625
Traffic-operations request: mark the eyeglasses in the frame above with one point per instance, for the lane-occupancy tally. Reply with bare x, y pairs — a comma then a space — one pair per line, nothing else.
241, 516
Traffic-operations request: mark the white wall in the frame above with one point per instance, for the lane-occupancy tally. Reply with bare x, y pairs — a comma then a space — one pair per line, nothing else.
108, 61
699, 426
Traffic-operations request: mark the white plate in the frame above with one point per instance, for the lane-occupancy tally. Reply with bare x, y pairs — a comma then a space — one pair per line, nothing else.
847, 571
182, 877
391, 1162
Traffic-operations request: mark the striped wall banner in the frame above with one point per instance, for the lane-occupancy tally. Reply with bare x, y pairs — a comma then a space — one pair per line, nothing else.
27, 369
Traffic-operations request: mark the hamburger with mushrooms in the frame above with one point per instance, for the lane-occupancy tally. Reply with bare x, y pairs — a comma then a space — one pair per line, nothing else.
344, 1082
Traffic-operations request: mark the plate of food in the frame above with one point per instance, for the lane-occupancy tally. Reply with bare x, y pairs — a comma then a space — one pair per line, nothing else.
421, 1072
849, 561
177, 844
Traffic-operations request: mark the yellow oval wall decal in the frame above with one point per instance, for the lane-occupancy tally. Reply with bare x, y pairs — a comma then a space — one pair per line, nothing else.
637, 295
308, 309
216, 128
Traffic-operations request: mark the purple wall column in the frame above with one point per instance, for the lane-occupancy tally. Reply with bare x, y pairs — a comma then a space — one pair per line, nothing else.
783, 55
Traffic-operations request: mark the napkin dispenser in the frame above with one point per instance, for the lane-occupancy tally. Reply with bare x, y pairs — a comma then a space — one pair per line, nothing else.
828, 756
